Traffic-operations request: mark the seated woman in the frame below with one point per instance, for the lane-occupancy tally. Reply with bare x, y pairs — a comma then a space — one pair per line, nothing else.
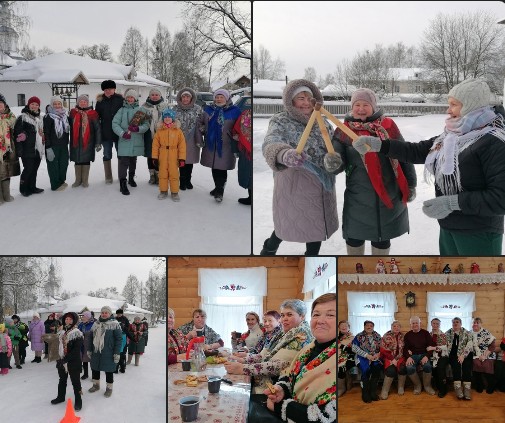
197, 327
440, 357
391, 354
270, 363
460, 346
307, 391
484, 355
345, 354
273, 332
177, 342
255, 331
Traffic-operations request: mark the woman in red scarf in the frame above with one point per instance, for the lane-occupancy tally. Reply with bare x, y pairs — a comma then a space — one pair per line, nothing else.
242, 134
177, 342
377, 188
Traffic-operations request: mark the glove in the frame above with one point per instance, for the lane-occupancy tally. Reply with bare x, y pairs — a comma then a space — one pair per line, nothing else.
292, 159
116, 358
21, 137
127, 136
133, 128
155, 164
182, 163
365, 144
65, 366
332, 161
50, 154
412, 194
441, 207
98, 147
89, 353
236, 155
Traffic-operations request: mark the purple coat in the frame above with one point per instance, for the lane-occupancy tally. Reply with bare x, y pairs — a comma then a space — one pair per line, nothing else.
37, 329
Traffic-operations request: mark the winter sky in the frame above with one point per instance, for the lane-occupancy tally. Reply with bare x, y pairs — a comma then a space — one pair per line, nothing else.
320, 34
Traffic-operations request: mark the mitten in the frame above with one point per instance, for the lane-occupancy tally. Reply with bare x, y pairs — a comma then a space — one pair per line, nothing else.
365, 144
98, 147
116, 358
127, 136
332, 161
21, 137
89, 353
441, 207
182, 163
156, 164
133, 128
50, 154
291, 158
412, 194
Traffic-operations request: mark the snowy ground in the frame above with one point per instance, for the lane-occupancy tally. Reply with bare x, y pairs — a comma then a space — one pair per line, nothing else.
423, 236
139, 395
99, 220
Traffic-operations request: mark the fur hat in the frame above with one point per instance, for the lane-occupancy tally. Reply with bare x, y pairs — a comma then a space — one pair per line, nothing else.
131, 93
74, 316
223, 92
55, 98
15, 317
107, 84
87, 314
364, 94
119, 311
33, 100
473, 93
168, 113
106, 308
155, 90
83, 97
36, 315
300, 90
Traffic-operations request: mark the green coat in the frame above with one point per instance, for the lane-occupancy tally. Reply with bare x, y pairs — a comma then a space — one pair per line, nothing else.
135, 145
14, 334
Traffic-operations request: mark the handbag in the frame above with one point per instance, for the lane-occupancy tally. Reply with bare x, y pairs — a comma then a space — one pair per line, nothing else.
258, 411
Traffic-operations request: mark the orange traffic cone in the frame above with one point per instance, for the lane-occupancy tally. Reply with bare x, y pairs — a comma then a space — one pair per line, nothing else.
70, 416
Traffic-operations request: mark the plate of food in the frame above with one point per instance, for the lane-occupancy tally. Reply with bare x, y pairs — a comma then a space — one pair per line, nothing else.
216, 360
191, 381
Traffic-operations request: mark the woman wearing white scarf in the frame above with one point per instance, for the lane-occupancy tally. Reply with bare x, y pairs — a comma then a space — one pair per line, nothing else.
466, 162
484, 356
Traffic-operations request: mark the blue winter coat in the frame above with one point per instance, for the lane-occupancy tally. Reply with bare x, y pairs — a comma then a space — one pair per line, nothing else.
135, 145
103, 359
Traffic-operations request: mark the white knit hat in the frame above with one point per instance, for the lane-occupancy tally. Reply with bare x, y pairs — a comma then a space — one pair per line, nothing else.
131, 93
302, 89
55, 98
473, 93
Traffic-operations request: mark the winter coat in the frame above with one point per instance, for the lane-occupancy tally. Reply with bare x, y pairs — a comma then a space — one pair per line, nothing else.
51, 326
14, 334
218, 153
9, 162
82, 146
304, 198
482, 170
50, 134
51, 339
365, 216
74, 342
85, 328
135, 145
107, 107
23, 329
138, 341
103, 359
154, 113
242, 130
192, 124
169, 146
29, 124
37, 329
6, 352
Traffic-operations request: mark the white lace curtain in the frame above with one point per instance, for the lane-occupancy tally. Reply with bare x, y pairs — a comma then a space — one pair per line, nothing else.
379, 307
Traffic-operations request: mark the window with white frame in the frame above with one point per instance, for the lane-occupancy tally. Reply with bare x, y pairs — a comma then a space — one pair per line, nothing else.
319, 278
447, 305
379, 307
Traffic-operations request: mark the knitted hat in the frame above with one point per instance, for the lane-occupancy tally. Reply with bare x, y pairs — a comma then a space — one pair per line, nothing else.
55, 98
473, 93
168, 113
107, 84
300, 90
33, 100
87, 314
364, 94
119, 311
138, 316
131, 93
106, 308
36, 315
154, 90
223, 92
82, 97
2, 327
186, 93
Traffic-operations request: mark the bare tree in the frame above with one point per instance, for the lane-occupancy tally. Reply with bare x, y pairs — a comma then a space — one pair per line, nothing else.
460, 46
159, 53
44, 51
15, 25
28, 52
131, 290
104, 53
224, 30
310, 74
133, 50
264, 67
109, 292
186, 62
65, 295
370, 69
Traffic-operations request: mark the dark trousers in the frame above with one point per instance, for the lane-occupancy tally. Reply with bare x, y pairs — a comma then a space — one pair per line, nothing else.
28, 177
452, 243
377, 244
126, 163
312, 248
22, 352
186, 171
220, 177
150, 164
122, 359
57, 169
109, 376
85, 368
439, 373
74, 378
462, 371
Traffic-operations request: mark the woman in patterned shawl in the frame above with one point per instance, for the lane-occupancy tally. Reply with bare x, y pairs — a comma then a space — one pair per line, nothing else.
198, 327
268, 365
440, 357
391, 353
177, 343
9, 162
484, 355
345, 354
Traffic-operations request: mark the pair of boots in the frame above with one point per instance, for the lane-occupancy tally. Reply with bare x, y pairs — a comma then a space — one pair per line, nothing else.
81, 176
218, 192
123, 187
369, 390
418, 387
37, 360
360, 251
85, 374
4, 371
62, 389
185, 177
137, 358
479, 385
153, 177
463, 392
341, 388
96, 387
108, 172
246, 201
5, 191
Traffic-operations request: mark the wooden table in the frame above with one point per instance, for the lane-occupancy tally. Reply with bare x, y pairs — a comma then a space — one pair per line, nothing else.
229, 405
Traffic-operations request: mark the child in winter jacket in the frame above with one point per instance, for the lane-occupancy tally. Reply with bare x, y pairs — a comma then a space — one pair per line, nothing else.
169, 154
5, 350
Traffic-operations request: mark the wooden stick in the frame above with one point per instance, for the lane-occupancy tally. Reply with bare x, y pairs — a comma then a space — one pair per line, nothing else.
346, 130
324, 132
306, 132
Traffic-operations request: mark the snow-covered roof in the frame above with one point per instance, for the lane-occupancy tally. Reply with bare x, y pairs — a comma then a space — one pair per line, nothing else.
406, 74
7, 60
70, 68
268, 88
338, 90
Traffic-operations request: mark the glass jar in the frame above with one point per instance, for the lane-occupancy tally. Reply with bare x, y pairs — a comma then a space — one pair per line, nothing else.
198, 361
